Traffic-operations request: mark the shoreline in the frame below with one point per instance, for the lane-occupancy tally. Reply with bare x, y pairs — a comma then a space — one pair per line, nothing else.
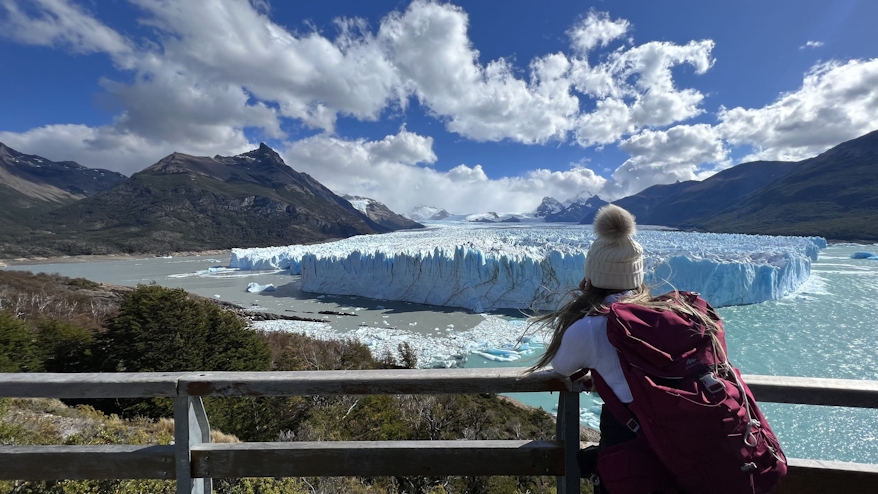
19, 261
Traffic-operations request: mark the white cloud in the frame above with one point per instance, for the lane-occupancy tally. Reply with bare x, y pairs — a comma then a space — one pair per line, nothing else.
429, 46
597, 29
634, 89
109, 148
58, 23
388, 170
838, 101
309, 77
206, 74
679, 153
812, 44
231, 65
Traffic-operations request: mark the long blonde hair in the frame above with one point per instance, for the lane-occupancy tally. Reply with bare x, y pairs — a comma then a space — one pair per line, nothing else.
587, 300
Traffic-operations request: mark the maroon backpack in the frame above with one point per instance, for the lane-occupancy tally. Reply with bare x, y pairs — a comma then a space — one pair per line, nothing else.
698, 430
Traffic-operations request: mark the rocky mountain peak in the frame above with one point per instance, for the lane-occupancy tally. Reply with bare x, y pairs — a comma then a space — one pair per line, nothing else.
576, 209
549, 205
263, 152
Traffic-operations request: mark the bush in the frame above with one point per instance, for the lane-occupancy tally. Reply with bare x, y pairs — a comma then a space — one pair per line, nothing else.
18, 352
165, 330
64, 347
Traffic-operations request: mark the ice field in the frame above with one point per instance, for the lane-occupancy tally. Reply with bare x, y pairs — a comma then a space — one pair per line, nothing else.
484, 267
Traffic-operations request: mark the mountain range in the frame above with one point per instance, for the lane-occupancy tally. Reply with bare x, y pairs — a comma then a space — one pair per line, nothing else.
571, 211
29, 182
422, 213
192, 203
381, 214
833, 195
181, 203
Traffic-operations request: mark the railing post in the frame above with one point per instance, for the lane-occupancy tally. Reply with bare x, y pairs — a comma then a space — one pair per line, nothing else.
190, 427
567, 430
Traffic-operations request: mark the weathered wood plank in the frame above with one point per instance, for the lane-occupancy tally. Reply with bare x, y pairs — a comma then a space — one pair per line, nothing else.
189, 430
567, 431
89, 385
86, 462
780, 389
814, 391
820, 477
378, 458
402, 381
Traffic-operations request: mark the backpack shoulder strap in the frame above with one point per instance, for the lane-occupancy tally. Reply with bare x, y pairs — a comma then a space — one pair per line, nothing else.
614, 404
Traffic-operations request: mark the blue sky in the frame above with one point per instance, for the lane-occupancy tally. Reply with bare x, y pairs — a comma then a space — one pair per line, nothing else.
470, 106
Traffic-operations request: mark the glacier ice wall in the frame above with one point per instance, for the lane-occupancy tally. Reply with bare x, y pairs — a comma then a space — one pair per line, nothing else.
489, 267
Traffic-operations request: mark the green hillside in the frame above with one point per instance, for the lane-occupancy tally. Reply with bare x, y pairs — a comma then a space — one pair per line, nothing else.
834, 195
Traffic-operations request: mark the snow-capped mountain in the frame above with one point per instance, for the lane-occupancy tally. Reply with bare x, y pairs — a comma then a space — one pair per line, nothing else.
576, 209
422, 212
550, 205
381, 214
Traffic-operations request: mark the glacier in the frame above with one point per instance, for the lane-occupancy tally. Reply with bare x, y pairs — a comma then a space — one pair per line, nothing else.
481, 267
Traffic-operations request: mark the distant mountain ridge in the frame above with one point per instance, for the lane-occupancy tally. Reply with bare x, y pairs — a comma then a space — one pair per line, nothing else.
834, 195
192, 203
548, 206
642, 204
576, 210
422, 213
29, 181
381, 214
31, 185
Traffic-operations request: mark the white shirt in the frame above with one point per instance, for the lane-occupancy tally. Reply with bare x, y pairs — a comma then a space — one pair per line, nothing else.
585, 346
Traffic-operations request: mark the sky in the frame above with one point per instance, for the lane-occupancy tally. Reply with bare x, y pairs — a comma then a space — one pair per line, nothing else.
472, 106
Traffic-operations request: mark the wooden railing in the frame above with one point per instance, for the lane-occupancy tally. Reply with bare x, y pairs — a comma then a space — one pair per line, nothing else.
193, 461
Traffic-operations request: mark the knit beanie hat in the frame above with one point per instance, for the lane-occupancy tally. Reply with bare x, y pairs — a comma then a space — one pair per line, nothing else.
614, 259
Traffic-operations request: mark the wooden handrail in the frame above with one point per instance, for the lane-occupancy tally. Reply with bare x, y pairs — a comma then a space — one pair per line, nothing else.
193, 462
776, 389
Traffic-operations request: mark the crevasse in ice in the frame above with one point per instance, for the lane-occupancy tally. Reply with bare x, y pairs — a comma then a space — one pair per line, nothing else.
483, 267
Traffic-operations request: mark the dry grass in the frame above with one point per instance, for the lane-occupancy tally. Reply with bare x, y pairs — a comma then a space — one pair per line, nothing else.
49, 421
167, 427
75, 300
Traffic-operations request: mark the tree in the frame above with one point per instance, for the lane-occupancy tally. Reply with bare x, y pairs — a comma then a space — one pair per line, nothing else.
18, 353
64, 347
161, 329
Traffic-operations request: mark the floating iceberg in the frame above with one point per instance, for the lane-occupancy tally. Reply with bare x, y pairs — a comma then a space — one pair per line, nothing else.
863, 255
484, 267
257, 288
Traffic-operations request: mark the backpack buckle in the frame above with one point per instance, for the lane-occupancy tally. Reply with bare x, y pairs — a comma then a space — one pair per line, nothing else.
633, 425
711, 383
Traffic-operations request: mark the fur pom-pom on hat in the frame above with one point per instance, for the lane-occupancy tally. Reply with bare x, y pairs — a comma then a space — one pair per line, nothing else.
614, 260
613, 223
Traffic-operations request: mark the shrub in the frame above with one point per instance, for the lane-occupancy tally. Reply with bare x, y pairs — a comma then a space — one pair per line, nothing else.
165, 330
18, 352
64, 347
